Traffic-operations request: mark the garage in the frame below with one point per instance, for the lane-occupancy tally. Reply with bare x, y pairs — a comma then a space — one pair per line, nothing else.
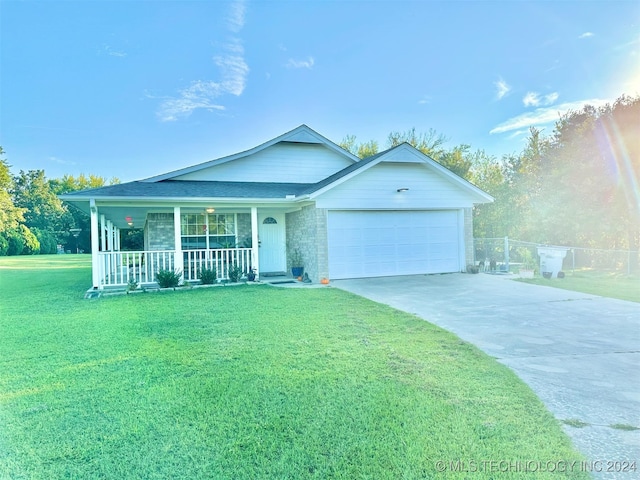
385, 243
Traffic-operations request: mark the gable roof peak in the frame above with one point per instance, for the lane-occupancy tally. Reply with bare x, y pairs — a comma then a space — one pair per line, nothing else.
301, 134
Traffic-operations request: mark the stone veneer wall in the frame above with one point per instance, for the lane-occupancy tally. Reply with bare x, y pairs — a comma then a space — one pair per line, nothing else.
159, 232
468, 238
307, 233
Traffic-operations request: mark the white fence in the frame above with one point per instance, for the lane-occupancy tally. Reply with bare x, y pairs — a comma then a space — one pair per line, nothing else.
121, 268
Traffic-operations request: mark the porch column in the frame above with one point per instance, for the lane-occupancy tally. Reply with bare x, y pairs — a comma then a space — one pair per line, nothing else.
177, 240
103, 237
254, 241
110, 235
95, 260
117, 243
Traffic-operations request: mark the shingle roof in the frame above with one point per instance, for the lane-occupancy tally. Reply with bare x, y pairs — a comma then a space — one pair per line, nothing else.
215, 189
193, 189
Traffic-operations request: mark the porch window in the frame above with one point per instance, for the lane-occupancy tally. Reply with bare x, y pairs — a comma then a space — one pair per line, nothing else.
222, 230
201, 231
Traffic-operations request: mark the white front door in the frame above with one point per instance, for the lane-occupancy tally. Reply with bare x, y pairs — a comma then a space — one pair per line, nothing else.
272, 241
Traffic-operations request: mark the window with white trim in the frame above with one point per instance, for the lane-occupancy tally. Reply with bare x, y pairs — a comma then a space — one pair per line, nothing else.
204, 230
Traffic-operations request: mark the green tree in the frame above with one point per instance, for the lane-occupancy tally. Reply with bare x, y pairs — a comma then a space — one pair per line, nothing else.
69, 183
43, 209
491, 220
79, 219
459, 160
361, 150
430, 143
10, 215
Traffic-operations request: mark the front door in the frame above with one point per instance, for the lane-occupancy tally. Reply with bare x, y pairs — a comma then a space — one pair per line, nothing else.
273, 246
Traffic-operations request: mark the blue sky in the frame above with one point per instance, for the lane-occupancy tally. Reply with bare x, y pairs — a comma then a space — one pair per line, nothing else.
134, 89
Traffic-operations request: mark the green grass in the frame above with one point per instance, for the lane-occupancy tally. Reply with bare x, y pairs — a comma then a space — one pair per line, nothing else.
246, 382
613, 285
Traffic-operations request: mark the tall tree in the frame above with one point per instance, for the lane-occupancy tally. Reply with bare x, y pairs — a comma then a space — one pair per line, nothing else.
459, 160
10, 215
430, 143
44, 210
361, 150
69, 183
79, 219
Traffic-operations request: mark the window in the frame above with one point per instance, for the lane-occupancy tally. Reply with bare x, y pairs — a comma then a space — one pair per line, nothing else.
222, 230
269, 221
193, 230
201, 231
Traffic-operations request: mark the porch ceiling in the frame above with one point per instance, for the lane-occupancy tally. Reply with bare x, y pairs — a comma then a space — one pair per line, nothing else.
119, 214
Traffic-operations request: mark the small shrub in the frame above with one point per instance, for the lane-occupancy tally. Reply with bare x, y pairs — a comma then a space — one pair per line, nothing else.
235, 273
168, 278
208, 276
132, 285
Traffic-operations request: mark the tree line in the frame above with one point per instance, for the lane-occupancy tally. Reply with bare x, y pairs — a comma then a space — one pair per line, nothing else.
33, 220
579, 185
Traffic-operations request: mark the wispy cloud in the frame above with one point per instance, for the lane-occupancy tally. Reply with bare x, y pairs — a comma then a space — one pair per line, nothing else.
633, 43
502, 88
586, 35
424, 100
113, 53
198, 95
235, 18
308, 63
60, 161
233, 67
534, 99
206, 94
518, 133
545, 115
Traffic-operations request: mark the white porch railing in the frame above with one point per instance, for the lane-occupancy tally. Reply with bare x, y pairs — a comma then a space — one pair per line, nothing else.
220, 258
120, 268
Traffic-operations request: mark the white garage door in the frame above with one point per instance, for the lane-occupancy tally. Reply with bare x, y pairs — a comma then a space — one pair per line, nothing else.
379, 243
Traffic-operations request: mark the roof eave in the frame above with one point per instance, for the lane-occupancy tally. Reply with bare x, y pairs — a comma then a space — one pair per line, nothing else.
119, 199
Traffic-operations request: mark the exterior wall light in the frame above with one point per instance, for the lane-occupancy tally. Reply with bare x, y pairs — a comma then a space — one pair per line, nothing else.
209, 209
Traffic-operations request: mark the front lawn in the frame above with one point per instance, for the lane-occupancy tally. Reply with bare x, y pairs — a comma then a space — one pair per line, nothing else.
605, 284
249, 382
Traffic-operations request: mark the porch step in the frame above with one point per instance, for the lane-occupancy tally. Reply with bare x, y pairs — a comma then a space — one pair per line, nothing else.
273, 274
276, 279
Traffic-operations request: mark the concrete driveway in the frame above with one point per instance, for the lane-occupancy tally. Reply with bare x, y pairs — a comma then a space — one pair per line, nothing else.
579, 353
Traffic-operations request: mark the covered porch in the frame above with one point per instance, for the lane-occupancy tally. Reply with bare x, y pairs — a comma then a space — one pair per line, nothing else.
183, 239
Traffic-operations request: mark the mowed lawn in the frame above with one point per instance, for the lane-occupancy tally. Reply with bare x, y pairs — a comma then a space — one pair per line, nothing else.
605, 284
248, 382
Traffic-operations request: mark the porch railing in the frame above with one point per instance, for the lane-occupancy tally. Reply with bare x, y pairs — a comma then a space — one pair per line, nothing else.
220, 258
120, 268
